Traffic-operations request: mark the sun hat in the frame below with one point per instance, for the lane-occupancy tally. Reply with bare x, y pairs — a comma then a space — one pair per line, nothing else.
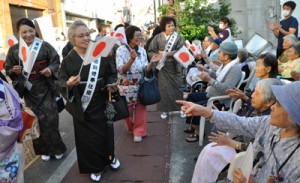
288, 97
229, 48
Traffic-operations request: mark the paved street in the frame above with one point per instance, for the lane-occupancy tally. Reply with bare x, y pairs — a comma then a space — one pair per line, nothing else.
162, 156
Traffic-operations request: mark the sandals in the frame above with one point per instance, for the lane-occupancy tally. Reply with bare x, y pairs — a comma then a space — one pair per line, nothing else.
189, 129
192, 138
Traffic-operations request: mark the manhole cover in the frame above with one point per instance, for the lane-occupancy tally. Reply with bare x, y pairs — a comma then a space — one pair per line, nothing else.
30, 156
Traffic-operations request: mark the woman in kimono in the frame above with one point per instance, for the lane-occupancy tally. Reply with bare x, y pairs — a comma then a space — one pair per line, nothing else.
167, 43
11, 152
86, 95
40, 97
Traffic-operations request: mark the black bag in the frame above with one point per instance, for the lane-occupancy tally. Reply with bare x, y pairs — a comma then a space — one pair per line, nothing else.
60, 103
148, 93
120, 105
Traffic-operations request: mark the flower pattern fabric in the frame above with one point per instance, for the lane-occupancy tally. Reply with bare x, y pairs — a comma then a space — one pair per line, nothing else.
128, 83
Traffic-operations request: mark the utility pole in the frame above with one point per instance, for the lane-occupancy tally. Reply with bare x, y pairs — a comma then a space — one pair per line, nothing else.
154, 9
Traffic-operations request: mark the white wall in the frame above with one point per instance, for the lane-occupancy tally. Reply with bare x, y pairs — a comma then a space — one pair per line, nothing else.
253, 16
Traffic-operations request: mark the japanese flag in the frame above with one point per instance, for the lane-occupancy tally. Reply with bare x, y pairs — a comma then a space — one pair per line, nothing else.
187, 44
11, 40
2, 60
120, 35
198, 48
184, 57
100, 48
23, 51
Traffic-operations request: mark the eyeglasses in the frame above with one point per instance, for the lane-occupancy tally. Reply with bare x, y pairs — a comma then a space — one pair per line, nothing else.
83, 35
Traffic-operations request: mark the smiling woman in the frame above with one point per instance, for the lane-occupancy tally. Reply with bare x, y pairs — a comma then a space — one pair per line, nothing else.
40, 97
86, 102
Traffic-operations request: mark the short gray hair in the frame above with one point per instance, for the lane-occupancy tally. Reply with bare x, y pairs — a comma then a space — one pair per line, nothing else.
72, 28
291, 38
265, 86
296, 47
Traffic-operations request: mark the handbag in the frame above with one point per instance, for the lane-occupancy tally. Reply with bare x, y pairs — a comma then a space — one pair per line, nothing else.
60, 103
31, 128
120, 105
148, 93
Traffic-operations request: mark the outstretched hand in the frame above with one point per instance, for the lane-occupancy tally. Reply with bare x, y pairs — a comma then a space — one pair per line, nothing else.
236, 93
221, 139
192, 109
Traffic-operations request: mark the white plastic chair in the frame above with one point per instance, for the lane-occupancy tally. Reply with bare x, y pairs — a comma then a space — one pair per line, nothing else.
210, 104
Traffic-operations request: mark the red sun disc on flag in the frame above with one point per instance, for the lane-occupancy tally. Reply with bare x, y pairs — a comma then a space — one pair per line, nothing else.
10, 42
23, 49
99, 48
1, 65
119, 35
184, 57
112, 33
193, 48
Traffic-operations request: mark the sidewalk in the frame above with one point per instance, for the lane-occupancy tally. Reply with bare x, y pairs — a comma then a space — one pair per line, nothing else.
147, 161
162, 157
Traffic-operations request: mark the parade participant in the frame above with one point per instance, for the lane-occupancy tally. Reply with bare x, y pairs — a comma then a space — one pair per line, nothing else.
131, 63
167, 43
11, 153
225, 34
90, 122
277, 141
289, 25
40, 97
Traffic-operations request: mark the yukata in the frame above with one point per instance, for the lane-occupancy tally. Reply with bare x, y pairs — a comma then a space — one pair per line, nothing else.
270, 151
128, 84
94, 146
170, 80
41, 98
11, 152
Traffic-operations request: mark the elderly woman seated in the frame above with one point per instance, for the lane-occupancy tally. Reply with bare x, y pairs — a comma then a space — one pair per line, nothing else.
277, 137
288, 41
216, 155
294, 61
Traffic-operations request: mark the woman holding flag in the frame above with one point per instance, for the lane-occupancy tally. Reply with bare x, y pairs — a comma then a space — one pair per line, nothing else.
32, 66
83, 85
167, 44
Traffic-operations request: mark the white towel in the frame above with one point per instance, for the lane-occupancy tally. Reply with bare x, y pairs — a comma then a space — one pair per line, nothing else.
222, 71
211, 162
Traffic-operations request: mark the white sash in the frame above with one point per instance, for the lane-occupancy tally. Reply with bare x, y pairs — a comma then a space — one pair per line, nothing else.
91, 83
34, 51
222, 71
169, 46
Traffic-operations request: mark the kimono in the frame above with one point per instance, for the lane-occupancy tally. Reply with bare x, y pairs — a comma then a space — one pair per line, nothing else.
169, 77
90, 125
11, 153
41, 97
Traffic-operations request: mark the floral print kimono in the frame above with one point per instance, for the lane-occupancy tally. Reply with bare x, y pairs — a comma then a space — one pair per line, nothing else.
128, 82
